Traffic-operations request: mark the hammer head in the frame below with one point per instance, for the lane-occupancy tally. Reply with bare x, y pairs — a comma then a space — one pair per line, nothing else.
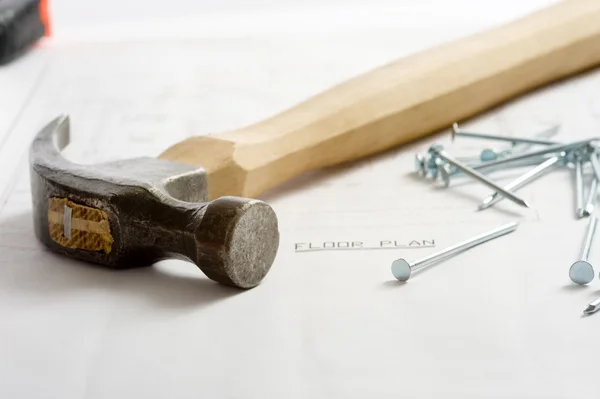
135, 212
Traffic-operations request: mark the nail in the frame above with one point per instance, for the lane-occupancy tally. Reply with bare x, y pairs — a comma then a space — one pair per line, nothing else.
402, 269
420, 167
486, 155
593, 307
595, 164
588, 208
447, 171
582, 272
456, 131
490, 154
579, 186
545, 134
476, 175
548, 150
431, 162
522, 181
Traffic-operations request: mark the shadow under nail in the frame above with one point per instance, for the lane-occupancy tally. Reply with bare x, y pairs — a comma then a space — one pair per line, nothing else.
574, 287
393, 284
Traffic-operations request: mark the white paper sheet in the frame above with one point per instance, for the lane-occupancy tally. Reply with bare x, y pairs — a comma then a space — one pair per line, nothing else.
501, 320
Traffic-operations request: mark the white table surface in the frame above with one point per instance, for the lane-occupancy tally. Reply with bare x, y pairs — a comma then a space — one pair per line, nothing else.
499, 321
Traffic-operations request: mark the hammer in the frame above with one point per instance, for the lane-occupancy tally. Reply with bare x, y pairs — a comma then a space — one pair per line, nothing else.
135, 212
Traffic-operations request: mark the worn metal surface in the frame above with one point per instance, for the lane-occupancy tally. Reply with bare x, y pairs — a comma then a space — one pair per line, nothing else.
155, 209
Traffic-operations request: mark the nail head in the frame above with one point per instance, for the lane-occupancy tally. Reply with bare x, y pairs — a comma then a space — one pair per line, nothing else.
401, 269
581, 272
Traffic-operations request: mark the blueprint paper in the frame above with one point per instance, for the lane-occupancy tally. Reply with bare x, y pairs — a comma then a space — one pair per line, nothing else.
501, 320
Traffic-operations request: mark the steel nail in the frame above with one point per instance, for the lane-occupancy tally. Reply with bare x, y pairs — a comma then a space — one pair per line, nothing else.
528, 155
582, 272
593, 307
490, 154
420, 167
579, 186
476, 175
545, 134
588, 208
456, 131
522, 181
595, 164
486, 155
402, 269
432, 163
447, 171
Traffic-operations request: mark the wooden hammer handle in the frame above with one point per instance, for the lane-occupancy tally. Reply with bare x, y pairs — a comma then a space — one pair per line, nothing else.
402, 101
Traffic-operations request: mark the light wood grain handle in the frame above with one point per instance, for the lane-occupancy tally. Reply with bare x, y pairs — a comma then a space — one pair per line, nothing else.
402, 101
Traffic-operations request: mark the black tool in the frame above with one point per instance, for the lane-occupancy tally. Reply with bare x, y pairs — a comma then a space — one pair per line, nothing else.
22, 23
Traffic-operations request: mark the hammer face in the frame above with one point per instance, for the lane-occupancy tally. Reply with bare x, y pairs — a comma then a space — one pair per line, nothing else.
135, 212
237, 241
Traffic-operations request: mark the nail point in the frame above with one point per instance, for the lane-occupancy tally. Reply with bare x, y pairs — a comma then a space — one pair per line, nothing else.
454, 130
589, 310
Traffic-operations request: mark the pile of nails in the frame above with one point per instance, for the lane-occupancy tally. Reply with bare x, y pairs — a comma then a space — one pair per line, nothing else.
438, 165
